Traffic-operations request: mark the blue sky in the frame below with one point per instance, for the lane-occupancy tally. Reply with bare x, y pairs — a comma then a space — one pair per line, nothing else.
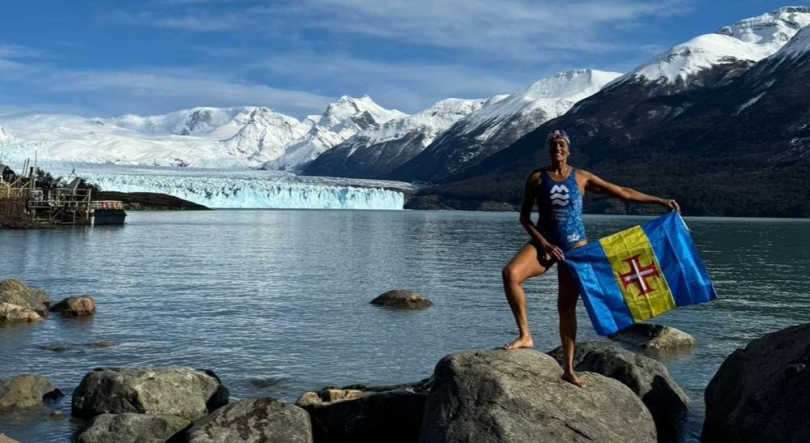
106, 58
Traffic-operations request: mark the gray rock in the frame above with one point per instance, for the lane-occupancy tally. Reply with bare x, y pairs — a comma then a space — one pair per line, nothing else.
172, 390
17, 293
26, 392
498, 396
762, 393
254, 420
656, 338
17, 314
132, 428
402, 299
647, 378
79, 306
361, 414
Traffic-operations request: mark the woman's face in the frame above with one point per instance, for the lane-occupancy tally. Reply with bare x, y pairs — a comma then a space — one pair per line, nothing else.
558, 149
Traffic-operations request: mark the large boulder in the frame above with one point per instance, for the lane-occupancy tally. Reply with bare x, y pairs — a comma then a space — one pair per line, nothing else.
656, 338
78, 306
402, 299
172, 390
17, 314
132, 428
762, 393
255, 420
26, 392
17, 293
361, 414
498, 396
647, 378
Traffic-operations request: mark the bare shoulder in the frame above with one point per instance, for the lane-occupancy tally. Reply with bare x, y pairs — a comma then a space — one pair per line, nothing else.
534, 176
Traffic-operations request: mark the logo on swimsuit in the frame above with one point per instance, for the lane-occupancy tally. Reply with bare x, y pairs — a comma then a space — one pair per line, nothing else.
573, 237
559, 195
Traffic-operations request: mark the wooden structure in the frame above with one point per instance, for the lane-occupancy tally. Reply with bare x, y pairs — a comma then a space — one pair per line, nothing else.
26, 202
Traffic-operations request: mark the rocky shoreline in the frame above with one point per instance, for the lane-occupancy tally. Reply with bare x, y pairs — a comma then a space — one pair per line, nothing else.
760, 394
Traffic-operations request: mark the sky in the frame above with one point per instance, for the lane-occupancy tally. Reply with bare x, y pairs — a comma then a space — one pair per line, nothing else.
101, 58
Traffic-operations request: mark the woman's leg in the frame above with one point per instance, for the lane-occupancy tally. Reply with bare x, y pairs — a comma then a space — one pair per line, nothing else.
524, 264
567, 308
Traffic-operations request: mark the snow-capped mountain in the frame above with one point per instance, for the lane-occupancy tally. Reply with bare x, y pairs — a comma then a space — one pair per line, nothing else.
733, 49
379, 149
342, 119
205, 137
501, 122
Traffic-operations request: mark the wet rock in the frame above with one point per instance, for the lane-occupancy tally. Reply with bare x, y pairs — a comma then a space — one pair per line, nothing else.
656, 338
647, 378
17, 314
57, 416
132, 428
402, 299
15, 292
26, 392
498, 396
361, 414
254, 420
79, 306
762, 393
102, 344
171, 390
5, 439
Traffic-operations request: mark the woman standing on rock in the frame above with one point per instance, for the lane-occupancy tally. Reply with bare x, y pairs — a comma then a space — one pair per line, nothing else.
558, 190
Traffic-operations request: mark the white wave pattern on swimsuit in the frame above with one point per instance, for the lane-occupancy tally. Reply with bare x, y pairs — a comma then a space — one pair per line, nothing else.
559, 195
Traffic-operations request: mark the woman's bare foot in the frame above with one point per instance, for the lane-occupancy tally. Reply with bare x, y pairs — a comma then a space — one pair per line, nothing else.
521, 342
572, 378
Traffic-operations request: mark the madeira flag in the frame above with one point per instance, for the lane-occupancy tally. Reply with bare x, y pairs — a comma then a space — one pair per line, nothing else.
639, 273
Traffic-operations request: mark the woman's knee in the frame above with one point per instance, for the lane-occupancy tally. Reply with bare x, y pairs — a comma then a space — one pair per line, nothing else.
511, 274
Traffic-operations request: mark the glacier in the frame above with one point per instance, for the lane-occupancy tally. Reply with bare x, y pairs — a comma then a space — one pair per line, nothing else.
244, 189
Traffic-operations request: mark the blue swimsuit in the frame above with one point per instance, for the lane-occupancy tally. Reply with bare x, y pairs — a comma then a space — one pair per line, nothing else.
560, 207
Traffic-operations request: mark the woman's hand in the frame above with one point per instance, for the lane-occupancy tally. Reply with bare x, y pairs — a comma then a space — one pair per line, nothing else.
553, 251
671, 204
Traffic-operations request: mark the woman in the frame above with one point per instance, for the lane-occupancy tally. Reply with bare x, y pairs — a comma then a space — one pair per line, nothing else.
558, 190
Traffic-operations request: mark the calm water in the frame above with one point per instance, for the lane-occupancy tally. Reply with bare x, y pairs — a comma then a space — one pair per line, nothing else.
277, 302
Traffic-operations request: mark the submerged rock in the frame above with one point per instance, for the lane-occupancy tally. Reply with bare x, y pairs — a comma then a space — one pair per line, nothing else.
131, 428
79, 306
647, 378
402, 299
26, 392
15, 292
253, 420
498, 396
656, 338
762, 393
361, 414
172, 390
5, 439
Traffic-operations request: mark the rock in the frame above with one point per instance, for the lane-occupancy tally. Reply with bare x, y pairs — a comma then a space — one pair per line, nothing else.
647, 378
79, 306
17, 314
132, 428
33, 298
4, 439
762, 393
57, 416
498, 396
102, 344
255, 420
403, 299
26, 392
361, 414
172, 390
656, 338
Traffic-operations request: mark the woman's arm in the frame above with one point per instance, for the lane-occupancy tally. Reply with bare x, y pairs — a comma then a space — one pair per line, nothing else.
526, 206
599, 186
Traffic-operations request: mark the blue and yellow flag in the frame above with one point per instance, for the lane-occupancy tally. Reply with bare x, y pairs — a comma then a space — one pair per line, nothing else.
634, 275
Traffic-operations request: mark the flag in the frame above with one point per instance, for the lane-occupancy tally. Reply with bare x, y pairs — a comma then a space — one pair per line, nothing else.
636, 274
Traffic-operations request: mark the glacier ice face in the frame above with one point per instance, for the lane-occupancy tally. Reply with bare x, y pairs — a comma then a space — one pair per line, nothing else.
247, 189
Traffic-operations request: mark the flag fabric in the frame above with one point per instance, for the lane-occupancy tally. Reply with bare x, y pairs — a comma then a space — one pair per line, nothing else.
636, 274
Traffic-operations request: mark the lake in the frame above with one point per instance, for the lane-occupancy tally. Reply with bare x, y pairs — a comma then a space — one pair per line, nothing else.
276, 302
